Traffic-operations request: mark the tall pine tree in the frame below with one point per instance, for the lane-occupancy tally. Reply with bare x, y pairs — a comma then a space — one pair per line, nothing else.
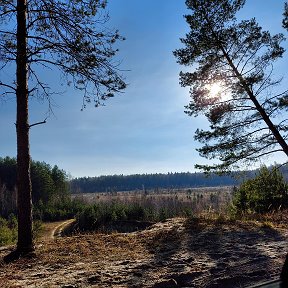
56, 34
246, 113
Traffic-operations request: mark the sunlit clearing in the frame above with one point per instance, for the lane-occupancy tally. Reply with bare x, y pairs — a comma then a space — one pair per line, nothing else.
217, 90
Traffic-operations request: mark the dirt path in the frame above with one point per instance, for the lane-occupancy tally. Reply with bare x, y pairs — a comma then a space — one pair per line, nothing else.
52, 230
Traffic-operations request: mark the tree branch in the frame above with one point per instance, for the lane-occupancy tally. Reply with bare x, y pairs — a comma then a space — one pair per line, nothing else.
38, 123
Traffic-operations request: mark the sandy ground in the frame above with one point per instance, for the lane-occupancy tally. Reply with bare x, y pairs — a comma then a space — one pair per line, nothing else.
175, 253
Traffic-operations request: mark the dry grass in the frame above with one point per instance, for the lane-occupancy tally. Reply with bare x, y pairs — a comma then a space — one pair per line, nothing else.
177, 201
90, 247
65, 259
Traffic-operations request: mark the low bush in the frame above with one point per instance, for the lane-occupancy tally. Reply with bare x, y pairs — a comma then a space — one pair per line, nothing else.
267, 192
58, 210
8, 230
97, 216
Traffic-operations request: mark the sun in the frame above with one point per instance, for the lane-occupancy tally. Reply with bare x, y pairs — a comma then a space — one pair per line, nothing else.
217, 89
214, 89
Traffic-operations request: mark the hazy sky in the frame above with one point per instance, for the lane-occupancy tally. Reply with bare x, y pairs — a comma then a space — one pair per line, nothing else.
143, 130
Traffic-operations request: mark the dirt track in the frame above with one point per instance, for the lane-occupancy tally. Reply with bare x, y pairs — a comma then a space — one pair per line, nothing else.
53, 229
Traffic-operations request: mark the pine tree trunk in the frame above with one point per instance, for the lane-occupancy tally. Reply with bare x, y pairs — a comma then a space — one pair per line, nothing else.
25, 237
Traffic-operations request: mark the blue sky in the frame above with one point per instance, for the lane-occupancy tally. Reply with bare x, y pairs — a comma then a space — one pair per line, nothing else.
143, 130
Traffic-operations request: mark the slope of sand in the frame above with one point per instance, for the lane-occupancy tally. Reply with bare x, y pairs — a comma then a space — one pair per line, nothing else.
175, 253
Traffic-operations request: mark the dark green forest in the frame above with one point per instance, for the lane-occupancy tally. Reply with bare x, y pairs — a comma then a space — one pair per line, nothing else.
149, 181
156, 181
50, 188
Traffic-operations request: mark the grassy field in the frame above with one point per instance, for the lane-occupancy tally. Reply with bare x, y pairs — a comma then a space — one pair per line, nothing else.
191, 200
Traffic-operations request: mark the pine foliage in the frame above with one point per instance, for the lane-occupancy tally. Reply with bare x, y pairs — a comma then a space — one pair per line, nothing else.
267, 192
71, 36
247, 115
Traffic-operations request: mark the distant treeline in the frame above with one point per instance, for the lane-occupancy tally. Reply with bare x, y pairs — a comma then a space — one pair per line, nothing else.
144, 182
49, 184
149, 181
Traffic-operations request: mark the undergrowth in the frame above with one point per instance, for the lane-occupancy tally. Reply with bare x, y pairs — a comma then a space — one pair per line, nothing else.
9, 230
97, 216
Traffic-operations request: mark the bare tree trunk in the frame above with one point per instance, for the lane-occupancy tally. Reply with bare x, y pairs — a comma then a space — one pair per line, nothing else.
25, 238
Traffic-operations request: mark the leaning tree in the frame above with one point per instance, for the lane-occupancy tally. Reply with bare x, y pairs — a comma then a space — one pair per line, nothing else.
47, 34
245, 113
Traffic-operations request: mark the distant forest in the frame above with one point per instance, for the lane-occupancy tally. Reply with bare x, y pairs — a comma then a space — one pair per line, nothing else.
156, 181
150, 181
48, 181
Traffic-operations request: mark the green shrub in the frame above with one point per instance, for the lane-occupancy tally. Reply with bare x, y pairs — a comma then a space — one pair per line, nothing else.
97, 216
266, 192
102, 215
136, 212
9, 227
6, 236
8, 230
58, 211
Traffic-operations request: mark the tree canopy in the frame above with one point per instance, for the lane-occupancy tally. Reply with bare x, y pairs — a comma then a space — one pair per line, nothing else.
145, 182
70, 35
246, 113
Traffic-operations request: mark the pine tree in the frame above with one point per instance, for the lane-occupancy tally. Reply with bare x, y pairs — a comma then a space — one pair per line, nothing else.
67, 35
246, 111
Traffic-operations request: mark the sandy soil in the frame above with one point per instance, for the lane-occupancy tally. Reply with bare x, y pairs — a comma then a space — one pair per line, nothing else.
175, 253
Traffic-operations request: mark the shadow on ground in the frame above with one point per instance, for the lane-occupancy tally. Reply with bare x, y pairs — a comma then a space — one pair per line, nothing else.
210, 255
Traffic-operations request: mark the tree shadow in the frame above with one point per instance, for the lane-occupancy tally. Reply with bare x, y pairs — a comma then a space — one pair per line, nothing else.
16, 254
213, 255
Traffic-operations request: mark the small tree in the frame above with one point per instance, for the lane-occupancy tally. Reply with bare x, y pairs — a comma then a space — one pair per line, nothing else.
266, 192
69, 36
245, 114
